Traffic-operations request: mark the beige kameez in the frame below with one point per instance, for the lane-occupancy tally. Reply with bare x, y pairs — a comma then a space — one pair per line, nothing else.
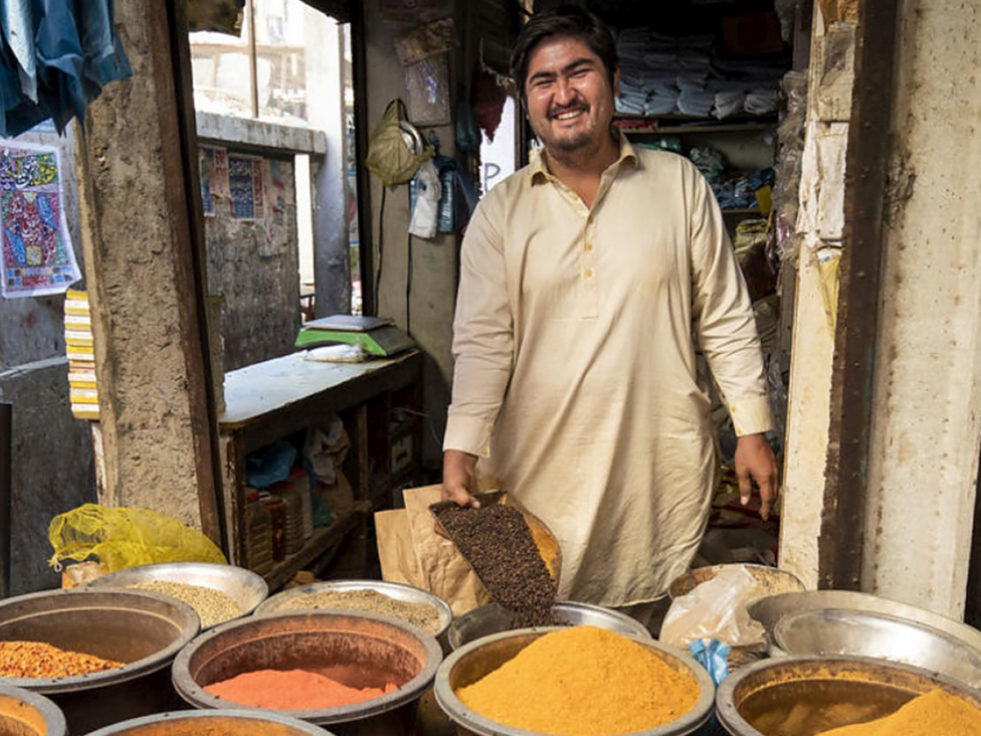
575, 374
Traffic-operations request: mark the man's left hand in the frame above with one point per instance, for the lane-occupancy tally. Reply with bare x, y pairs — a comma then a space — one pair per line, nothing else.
755, 462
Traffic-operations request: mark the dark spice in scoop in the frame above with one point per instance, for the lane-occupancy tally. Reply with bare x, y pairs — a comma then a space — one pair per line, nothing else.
499, 546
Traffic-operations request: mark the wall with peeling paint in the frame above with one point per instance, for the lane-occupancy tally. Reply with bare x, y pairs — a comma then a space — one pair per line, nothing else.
819, 225
254, 265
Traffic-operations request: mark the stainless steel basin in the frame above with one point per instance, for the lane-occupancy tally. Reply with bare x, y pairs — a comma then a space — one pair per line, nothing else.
833, 631
143, 630
243, 586
771, 609
30, 714
293, 599
212, 723
803, 696
472, 661
358, 649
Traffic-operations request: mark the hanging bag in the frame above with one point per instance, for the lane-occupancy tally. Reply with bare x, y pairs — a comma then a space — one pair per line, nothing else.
395, 149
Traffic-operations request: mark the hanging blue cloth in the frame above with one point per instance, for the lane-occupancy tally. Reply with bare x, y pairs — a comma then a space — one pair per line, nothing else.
56, 56
105, 60
18, 32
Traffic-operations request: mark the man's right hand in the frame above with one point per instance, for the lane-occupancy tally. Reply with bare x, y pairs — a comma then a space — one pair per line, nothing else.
460, 478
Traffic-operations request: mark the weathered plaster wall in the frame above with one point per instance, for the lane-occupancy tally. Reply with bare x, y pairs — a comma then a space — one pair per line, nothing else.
434, 262
927, 397
53, 469
150, 360
820, 223
254, 264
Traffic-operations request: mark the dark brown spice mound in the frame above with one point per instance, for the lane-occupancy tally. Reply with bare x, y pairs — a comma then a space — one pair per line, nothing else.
499, 546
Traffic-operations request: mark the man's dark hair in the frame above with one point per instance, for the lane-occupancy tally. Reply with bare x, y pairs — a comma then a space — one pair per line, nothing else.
565, 20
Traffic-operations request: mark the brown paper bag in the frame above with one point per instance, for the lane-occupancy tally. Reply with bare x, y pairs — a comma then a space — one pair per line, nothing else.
399, 563
433, 560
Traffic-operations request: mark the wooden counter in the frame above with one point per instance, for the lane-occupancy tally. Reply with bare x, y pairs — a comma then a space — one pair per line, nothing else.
281, 397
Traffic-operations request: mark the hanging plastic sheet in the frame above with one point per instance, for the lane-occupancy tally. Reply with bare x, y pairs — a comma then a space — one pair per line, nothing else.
56, 57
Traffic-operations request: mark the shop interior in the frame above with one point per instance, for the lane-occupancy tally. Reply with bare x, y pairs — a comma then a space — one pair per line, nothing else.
238, 380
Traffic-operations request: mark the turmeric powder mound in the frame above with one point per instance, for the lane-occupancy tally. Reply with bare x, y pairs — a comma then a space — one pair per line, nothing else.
584, 681
934, 714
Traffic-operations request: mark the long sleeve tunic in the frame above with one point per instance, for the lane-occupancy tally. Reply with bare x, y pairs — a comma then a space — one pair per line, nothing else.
574, 375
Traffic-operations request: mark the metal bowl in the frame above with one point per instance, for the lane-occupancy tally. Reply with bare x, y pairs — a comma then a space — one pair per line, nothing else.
493, 619
809, 695
144, 630
243, 586
292, 600
356, 648
832, 631
768, 611
770, 580
224, 722
29, 714
472, 661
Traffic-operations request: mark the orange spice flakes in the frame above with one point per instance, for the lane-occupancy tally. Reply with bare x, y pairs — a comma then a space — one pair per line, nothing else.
583, 681
39, 659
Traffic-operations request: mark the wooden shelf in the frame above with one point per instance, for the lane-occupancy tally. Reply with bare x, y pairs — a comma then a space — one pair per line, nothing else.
325, 539
741, 211
674, 126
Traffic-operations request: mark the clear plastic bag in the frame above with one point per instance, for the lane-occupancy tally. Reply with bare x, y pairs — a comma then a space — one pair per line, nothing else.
715, 610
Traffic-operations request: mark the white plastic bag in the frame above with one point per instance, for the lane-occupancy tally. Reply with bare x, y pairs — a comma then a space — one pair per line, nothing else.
716, 609
425, 214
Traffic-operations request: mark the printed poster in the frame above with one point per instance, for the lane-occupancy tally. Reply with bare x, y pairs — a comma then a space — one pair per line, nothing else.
37, 253
245, 183
214, 177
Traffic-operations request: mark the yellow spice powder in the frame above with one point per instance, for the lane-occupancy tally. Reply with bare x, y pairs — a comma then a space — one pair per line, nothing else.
584, 681
934, 714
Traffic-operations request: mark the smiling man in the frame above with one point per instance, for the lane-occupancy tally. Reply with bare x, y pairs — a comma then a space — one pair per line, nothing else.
583, 278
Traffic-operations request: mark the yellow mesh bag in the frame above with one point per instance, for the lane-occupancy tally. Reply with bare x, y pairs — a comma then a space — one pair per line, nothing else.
125, 537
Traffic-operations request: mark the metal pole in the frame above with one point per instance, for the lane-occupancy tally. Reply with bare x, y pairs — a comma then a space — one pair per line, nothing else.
6, 492
253, 74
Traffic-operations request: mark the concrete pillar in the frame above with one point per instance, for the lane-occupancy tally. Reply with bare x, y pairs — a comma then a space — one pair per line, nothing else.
332, 271
923, 459
144, 277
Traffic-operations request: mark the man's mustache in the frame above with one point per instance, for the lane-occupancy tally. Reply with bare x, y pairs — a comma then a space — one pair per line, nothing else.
556, 111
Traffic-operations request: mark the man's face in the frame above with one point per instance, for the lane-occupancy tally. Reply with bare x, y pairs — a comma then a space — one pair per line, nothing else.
570, 102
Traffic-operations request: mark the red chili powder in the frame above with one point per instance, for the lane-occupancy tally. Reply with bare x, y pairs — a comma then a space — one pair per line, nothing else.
291, 690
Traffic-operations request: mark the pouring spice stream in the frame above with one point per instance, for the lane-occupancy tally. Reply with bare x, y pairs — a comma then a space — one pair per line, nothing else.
498, 544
